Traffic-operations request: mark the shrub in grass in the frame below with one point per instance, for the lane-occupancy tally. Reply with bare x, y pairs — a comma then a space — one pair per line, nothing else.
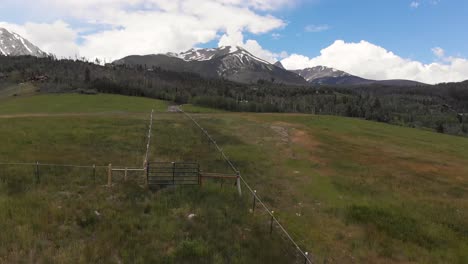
194, 250
86, 219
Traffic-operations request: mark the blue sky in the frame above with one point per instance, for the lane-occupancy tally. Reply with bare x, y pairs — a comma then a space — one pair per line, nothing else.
379, 37
395, 25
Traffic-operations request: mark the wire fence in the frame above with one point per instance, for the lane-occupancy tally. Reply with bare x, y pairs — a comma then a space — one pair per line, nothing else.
256, 200
18, 176
29, 174
24, 174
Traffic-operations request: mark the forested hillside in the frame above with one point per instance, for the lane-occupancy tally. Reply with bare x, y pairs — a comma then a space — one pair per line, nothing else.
443, 107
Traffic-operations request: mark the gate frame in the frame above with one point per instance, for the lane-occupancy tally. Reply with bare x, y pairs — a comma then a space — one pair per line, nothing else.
173, 172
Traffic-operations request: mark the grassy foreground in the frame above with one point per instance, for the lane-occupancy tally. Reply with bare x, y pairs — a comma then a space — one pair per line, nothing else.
356, 190
72, 217
348, 190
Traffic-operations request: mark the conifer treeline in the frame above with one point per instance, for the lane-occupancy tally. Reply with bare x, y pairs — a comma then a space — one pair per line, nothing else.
443, 107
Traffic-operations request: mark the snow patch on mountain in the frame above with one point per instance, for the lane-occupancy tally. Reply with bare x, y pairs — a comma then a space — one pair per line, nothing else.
228, 62
212, 53
12, 44
311, 74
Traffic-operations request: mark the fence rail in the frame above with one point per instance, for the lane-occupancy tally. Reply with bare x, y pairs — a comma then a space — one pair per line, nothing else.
173, 173
47, 173
304, 254
128, 169
25, 174
51, 165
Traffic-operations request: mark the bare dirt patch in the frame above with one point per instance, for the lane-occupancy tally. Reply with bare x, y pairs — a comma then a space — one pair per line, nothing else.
282, 132
300, 142
173, 109
304, 139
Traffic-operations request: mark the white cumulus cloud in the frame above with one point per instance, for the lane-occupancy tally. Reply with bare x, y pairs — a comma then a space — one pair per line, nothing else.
236, 38
367, 60
124, 27
117, 28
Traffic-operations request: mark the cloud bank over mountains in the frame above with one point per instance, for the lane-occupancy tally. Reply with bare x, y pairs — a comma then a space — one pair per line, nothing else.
123, 27
111, 29
374, 62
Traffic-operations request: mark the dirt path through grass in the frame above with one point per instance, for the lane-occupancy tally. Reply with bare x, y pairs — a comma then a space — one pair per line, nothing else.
173, 108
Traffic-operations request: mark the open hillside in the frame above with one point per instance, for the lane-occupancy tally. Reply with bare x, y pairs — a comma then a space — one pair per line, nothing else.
442, 108
347, 190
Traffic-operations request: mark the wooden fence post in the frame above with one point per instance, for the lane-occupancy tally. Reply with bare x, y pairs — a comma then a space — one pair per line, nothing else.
271, 223
109, 176
94, 173
199, 176
238, 183
254, 200
38, 178
147, 174
173, 173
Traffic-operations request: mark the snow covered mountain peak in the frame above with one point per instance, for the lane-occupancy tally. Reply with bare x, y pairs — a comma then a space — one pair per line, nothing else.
12, 44
318, 72
200, 54
228, 62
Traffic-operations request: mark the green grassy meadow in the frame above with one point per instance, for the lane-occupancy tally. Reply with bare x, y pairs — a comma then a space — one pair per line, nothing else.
348, 190
73, 103
200, 109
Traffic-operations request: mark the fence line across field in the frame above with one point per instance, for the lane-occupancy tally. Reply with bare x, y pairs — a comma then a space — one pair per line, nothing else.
52, 165
254, 192
109, 167
128, 169
149, 139
237, 176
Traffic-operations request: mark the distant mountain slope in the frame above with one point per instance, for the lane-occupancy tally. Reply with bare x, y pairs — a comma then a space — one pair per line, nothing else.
354, 80
279, 65
397, 82
232, 63
203, 54
12, 44
311, 74
322, 75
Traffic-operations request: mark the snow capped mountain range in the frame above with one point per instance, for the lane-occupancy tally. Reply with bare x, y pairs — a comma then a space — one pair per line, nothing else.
202, 54
237, 64
321, 75
213, 53
229, 62
237, 57
12, 44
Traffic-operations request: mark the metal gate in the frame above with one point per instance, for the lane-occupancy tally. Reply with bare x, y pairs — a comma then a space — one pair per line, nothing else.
173, 173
